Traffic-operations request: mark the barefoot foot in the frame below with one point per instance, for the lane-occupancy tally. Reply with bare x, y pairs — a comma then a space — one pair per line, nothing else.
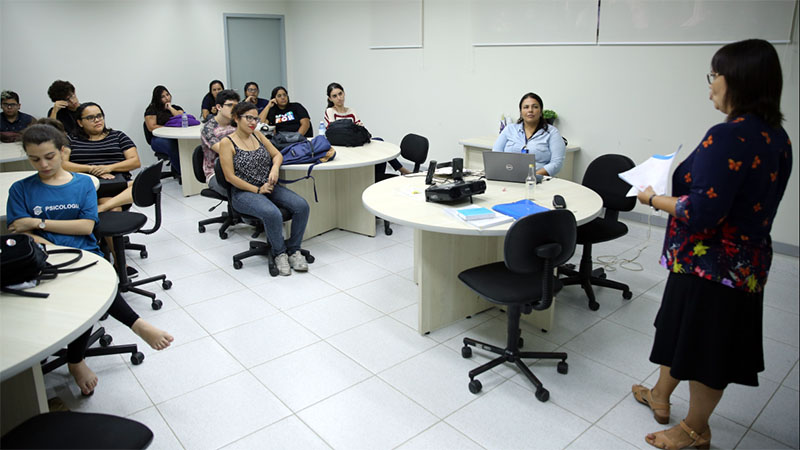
156, 338
84, 377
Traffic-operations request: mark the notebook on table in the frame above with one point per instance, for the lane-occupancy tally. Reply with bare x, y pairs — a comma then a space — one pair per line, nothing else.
501, 166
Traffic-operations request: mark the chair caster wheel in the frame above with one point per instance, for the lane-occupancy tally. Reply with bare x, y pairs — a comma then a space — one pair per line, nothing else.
223, 235
475, 386
310, 259
156, 304
137, 358
201, 229
237, 265
105, 340
166, 284
627, 295
273, 271
520, 342
603, 276
388, 231
594, 306
466, 352
542, 394
562, 367
143, 254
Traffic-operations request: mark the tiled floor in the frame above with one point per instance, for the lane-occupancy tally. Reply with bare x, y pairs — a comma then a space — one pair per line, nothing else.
332, 358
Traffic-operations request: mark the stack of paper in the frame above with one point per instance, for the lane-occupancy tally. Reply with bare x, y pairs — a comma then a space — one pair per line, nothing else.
653, 172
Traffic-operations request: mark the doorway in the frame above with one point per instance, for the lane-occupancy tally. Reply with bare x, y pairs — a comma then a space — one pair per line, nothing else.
255, 50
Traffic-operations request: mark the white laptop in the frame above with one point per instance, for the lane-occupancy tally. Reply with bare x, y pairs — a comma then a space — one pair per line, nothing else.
501, 166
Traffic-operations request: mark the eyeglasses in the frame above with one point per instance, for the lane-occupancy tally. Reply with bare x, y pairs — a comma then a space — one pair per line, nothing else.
252, 89
93, 118
11, 105
711, 76
231, 104
251, 118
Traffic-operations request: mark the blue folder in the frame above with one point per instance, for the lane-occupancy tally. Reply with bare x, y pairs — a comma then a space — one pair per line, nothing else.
519, 209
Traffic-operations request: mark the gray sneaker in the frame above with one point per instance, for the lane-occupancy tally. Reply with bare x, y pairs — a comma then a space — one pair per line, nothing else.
298, 262
282, 261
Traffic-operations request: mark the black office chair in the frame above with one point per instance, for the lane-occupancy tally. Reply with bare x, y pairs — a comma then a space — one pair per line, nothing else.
225, 219
256, 247
414, 148
59, 358
601, 177
118, 224
524, 282
148, 136
75, 430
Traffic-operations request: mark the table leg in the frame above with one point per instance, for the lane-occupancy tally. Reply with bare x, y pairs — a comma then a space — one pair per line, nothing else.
21, 397
350, 212
189, 183
322, 214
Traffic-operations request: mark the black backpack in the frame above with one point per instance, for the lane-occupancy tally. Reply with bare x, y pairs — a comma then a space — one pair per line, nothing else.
346, 133
22, 260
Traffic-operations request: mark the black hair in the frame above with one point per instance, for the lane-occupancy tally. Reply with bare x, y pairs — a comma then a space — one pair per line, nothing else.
155, 101
753, 79
542, 125
213, 82
240, 109
60, 90
39, 133
278, 89
331, 87
225, 95
79, 131
5, 95
251, 83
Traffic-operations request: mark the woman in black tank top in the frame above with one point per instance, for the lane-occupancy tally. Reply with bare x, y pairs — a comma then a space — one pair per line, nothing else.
251, 163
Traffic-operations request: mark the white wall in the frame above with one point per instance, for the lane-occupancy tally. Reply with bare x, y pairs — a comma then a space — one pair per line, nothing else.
635, 100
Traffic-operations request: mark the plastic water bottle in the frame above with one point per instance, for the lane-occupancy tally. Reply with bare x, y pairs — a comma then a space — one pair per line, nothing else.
184, 120
530, 182
502, 122
321, 128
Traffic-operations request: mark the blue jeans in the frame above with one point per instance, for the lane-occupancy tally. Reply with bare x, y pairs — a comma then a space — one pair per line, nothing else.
262, 206
168, 147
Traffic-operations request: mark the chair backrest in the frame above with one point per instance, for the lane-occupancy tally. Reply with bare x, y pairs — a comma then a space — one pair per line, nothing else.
148, 135
530, 233
197, 164
147, 192
220, 177
414, 148
602, 177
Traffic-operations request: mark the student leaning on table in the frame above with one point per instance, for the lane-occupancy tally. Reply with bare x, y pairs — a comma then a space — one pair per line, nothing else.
532, 134
718, 249
58, 207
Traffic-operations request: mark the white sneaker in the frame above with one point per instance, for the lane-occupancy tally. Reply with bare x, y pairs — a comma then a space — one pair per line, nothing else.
282, 261
298, 262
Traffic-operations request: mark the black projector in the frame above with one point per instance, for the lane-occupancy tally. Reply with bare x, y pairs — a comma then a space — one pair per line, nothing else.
454, 192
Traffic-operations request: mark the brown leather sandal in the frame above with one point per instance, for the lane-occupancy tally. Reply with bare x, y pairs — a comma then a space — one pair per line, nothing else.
699, 441
644, 396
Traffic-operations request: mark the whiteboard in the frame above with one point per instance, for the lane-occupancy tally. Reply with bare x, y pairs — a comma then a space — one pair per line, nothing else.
534, 22
694, 21
395, 24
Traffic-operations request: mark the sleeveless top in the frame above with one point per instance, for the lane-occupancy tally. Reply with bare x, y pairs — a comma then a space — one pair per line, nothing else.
252, 166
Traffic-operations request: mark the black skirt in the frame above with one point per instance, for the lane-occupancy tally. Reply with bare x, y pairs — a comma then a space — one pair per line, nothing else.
708, 332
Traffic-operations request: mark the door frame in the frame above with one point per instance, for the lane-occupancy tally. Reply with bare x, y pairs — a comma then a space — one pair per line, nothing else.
282, 23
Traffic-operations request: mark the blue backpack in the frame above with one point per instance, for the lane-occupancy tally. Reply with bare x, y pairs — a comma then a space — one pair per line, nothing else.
317, 151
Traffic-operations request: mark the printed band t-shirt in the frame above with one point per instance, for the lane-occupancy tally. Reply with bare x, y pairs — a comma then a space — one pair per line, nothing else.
287, 119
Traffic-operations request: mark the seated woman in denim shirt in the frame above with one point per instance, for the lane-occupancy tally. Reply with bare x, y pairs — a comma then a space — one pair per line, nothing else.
532, 134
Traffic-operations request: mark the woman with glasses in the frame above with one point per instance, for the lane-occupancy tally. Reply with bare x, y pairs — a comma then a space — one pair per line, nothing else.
251, 163
532, 134
158, 112
718, 249
108, 154
209, 105
12, 121
251, 96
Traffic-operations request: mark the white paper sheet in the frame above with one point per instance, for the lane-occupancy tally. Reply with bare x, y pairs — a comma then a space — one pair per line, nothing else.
653, 172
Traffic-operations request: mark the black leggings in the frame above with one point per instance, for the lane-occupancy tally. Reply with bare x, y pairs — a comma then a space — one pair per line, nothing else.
380, 168
120, 310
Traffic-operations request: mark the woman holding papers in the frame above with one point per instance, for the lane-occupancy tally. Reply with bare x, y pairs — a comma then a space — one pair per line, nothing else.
718, 249
532, 134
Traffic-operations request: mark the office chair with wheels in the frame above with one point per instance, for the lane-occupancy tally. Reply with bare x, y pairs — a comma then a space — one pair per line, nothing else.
225, 219
148, 136
256, 247
414, 148
69, 429
523, 282
59, 358
601, 177
118, 224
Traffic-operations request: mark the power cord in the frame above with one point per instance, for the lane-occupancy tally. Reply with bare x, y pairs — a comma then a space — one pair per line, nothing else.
608, 262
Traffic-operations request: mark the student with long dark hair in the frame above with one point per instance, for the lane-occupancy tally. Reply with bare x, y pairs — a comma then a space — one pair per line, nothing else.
717, 248
158, 112
286, 116
251, 91
209, 105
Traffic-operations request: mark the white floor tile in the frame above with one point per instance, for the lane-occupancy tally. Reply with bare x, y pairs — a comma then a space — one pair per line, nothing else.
178, 267
350, 273
596, 438
333, 314
387, 294
369, 415
756, 441
295, 290
163, 437
408, 315
309, 375
357, 244
780, 418
638, 314
569, 322
325, 253
440, 437
196, 288
616, 346
511, 417
793, 379
394, 258
262, 340
176, 322
228, 311
782, 326
222, 412
287, 433
779, 359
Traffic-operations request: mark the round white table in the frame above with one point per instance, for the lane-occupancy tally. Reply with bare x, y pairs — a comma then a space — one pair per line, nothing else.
444, 245
12, 156
188, 139
340, 183
32, 329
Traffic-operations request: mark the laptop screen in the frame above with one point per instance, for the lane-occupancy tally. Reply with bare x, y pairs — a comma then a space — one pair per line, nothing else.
501, 166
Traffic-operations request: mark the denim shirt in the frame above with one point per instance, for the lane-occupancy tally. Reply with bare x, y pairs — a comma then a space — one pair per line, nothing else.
547, 145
